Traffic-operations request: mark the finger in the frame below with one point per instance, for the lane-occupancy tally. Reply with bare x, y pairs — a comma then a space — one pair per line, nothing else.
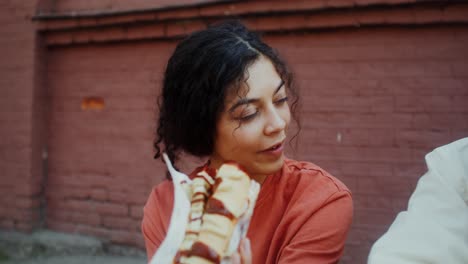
246, 251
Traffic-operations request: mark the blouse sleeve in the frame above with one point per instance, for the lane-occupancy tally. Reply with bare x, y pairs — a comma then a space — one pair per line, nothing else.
322, 237
156, 216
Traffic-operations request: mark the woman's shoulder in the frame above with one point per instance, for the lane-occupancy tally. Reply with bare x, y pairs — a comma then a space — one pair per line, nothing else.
311, 175
317, 199
160, 198
164, 187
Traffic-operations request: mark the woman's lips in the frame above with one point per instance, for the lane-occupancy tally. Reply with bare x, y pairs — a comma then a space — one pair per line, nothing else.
276, 150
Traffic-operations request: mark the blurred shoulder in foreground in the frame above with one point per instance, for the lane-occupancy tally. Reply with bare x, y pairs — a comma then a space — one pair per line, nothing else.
434, 229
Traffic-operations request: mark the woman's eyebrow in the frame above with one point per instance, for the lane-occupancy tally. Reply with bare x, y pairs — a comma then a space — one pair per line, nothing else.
244, 101
279, 87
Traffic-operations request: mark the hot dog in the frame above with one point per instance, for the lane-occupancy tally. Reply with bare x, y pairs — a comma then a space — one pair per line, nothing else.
221, 204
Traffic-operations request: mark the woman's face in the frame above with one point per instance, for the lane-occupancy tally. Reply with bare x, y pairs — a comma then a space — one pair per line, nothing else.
252, 128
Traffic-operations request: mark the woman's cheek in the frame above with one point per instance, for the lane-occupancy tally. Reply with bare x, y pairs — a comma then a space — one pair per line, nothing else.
250, 136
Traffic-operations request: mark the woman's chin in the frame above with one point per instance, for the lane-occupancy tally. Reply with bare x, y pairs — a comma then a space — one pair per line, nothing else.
268, 167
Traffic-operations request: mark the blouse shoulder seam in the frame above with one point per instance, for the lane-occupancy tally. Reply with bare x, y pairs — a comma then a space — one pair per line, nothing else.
323, 173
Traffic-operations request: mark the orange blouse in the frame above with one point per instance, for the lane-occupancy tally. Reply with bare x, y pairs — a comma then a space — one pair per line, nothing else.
302, 215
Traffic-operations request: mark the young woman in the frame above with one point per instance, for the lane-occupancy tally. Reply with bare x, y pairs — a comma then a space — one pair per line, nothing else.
226, 96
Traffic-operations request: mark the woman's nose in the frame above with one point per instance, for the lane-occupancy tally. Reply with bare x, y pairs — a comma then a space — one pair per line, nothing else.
275, 122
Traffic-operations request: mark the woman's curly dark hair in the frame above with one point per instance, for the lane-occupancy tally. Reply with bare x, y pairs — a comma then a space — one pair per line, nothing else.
198, 75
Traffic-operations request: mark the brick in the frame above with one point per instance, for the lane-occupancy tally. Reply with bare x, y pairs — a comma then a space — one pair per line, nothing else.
180, 13
145, 32
136, 211
278, 23
6, 205
111, 34
424, 121
140, 241
100, 232
175, 30
124, 237
7, 224
343, 103
19, 140
381, 138
400, 204
354, 154
14, 176
83, 6
363, 235
411, 171
217, 10
88, 206
353, 137
333, 69
27, 189
63, 192
439, 121
110, 209
24, 215
118, 196
75, 217
371, 185
58, 39
418, 154
373, 202
24, 227
127, 196
458, 134
340, 87
374, 169
332, 20
421, 138
359, 254
15, 122
12, 154
452, 51
75, 205
356, 120
128, 19
130, 103
373, 217
381, 154
455, 13
26, 203
121, 223
460, 104
77, 180
437, 104
91, 218
98, 194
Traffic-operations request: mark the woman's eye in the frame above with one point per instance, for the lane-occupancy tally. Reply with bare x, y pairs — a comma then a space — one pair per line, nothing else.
281, 101
247, 117
245, 113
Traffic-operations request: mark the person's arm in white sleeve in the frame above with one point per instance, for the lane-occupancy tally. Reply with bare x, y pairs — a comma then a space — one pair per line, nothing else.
434, 229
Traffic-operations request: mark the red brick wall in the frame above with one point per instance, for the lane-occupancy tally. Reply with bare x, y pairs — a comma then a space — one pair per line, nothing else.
92, 6
101, 165
20, 119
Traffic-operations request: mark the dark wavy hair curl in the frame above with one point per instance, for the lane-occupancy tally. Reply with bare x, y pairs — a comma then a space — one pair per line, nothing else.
199, 74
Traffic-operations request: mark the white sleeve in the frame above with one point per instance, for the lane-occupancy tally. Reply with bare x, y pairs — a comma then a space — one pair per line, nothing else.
434, 229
